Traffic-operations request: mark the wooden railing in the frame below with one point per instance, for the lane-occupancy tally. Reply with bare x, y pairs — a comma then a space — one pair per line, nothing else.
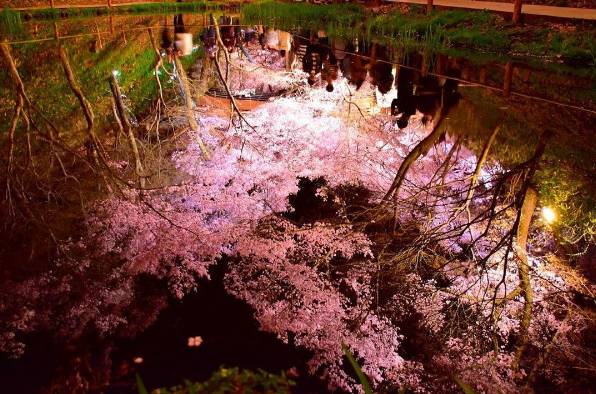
515, 8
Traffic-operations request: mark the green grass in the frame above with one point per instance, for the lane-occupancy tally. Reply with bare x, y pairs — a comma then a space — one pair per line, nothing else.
173, 8
44, 80
232, 380
10, 23
476, 31
337, 18
134, 9
440, 29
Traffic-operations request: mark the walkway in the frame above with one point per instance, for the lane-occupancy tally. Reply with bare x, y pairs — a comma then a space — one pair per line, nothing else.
528, 9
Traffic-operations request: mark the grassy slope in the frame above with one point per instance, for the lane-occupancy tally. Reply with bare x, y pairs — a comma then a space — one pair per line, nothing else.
44, 79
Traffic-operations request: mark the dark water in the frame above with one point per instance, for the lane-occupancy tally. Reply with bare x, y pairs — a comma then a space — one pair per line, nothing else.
532, 95
230, 339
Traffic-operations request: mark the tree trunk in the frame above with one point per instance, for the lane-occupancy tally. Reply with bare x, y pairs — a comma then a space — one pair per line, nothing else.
158, 65
14, 73
414, 154
127, 129
527, 209
480, 163
11, 133
20, 87
76, 89
189, 104
529, 199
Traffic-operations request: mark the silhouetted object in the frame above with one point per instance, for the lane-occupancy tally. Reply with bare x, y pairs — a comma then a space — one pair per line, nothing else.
329, 72
299, 45
209, 41
428, 97
431, 96
380, 69
354, 66
312, 63
179, 24
184, 42
166, 39
228, 33
404, 105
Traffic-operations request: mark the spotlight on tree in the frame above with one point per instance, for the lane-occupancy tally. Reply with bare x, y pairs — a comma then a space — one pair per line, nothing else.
549, 215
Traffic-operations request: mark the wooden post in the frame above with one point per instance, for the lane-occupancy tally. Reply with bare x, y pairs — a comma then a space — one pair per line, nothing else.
99, 40
517, 7
112, 30
429, 6
110, 4
52, 3
482, 75
527, 75
507, 79
526, 211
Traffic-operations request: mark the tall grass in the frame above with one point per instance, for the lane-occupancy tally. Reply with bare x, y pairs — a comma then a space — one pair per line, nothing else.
439, 30
133, 9
174, 8
303, 15
10, 23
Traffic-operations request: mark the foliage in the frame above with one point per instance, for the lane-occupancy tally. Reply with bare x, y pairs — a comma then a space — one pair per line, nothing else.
563, 178
419, 289
140, 385
361, 377
466, 388
235, 380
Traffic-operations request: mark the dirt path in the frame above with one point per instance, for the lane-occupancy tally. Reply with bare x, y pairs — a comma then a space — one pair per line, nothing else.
528, 9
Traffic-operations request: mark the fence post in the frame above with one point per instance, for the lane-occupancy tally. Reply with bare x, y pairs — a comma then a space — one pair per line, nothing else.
52, 3
507, 79
517, 7
482, 75
429, 6
112, 30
